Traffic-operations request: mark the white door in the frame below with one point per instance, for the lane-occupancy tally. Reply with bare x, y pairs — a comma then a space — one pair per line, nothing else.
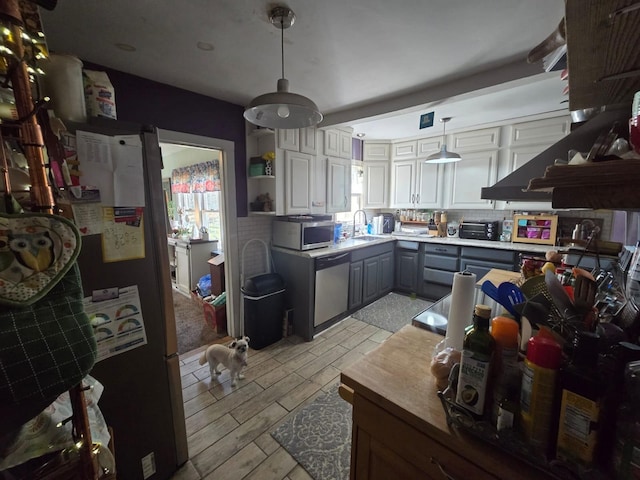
376, 184
518, 156
338, 185
402, 180
429, 183
183, 269
468, 176
298, 182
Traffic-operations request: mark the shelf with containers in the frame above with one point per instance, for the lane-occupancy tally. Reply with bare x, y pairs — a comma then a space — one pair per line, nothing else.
261, 171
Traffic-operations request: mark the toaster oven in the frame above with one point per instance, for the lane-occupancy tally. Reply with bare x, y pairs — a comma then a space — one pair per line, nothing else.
480, 230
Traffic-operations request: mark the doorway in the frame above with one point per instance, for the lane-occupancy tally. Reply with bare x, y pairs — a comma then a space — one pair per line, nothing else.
196, 213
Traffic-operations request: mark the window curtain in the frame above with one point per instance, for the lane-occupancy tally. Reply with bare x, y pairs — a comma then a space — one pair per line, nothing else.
202, 177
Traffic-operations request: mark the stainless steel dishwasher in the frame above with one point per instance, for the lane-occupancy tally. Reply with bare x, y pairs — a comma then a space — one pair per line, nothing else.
332, 287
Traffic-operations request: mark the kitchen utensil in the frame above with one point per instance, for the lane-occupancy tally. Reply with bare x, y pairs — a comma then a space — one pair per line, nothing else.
491, 290
510, 295
559, 295
584, 293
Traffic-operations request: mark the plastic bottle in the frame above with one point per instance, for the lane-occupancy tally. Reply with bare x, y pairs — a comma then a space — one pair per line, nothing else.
478, 349
581, 400
539, 385
506, 371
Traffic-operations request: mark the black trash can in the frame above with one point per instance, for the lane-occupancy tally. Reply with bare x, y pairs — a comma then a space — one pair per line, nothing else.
263, 309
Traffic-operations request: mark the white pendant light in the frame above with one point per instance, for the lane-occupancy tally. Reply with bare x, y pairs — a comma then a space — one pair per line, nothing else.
443, 156
282, 109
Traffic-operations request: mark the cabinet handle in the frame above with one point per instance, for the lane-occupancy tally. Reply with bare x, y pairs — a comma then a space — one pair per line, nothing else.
440, 249
441, 468
418, 198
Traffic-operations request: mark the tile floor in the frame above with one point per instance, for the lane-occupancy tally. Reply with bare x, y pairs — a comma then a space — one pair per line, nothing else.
228, 428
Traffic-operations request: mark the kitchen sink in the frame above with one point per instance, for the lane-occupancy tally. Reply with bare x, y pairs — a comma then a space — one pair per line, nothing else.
366, 238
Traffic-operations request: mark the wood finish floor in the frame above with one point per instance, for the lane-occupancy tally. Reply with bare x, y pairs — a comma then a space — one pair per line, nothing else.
228, 428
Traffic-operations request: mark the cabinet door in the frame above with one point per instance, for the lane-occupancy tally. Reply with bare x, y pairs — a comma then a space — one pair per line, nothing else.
332, 143
518, 156
475, 140
407, 271
547, 131
376, 151
183, 270
385, 279
405, 150
403, 175
468, 176
298, 182
482, 267
288, 139
355, 284
429, 183
371, 267
319, 180
309, 140
338, 185
376, 185
345, 146
427, 146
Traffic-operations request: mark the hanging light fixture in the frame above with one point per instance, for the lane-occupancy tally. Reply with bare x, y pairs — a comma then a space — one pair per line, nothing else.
443, 156
282, 109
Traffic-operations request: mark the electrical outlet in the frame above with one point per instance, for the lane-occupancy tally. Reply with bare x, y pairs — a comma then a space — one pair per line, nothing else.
148, 465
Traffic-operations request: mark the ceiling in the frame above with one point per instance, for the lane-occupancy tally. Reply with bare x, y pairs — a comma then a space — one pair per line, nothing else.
370, 64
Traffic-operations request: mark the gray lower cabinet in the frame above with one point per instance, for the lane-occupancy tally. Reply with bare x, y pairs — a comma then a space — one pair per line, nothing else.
371, 274
408, 274
480, 260
441, 262
355, 284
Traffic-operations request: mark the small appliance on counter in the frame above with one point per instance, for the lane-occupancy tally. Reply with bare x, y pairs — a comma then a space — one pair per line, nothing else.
479, 230
388, 223
303, 232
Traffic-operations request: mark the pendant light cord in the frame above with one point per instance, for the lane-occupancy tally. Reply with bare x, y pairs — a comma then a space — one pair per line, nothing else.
282, 42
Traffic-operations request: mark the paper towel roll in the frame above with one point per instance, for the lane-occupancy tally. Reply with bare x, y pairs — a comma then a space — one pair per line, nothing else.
460, 309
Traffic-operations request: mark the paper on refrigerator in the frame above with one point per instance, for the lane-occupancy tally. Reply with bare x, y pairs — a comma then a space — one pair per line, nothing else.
114, 164
117, 324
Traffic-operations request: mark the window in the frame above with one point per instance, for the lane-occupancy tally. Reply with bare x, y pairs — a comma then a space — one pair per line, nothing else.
357, 189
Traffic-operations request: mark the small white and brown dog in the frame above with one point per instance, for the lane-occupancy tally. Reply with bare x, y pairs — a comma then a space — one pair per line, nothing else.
232, 356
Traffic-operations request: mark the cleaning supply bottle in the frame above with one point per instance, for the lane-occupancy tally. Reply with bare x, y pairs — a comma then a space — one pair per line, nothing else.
581, 389
506, 372
539, 387
475, 364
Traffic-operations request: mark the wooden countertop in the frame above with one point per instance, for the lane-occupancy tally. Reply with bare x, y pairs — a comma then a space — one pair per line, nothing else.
396, 377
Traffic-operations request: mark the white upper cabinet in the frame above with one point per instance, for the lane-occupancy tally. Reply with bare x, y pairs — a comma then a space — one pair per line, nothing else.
337, 143
468, 176
309, 140
475, 140
376, 151
427, 146
429, 184
403, 177
405, 150
288, 139
376, 184
346, 145
297, 182
338, 185
547, 131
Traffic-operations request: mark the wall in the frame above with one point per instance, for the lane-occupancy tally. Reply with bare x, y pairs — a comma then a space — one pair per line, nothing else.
148, 102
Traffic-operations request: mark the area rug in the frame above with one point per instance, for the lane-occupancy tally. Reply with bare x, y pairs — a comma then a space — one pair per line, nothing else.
191, 329
392, 312
319, 437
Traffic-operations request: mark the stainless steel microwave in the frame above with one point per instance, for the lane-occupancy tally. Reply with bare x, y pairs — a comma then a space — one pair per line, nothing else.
303, 232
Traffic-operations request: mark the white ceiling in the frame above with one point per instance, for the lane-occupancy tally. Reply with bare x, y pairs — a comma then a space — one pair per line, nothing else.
358, 59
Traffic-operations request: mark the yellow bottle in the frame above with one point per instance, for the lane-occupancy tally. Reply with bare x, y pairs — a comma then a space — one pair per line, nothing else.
539, 384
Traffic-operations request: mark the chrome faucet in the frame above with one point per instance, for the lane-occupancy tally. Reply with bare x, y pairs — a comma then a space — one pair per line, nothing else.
355, 214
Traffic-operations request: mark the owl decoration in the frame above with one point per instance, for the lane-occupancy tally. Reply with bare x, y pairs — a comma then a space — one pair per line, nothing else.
36, 250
